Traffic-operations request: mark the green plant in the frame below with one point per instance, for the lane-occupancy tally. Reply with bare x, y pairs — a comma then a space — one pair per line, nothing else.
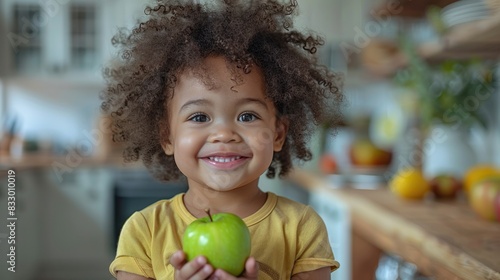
450, 92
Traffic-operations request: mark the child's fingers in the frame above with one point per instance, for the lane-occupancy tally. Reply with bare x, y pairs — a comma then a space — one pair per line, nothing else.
178, 259
251, 272
251, 268
197, 269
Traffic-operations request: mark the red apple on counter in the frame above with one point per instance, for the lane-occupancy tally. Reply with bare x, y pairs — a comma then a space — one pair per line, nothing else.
445, 186
485, 198
363, 152
328, 164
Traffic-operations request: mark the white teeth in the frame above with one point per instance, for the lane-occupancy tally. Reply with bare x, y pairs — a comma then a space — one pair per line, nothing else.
224, 159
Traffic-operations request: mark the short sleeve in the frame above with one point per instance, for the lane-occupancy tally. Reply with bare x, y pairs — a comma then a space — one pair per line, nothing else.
134, 248
313, 248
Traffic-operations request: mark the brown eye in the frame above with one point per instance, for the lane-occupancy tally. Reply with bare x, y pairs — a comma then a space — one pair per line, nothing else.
199, 118
247, 117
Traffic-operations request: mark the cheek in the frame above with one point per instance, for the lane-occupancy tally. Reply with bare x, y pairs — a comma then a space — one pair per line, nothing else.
185, 150
186, 144
262, 142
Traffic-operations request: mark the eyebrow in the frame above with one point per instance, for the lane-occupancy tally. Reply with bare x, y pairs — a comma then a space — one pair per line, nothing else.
195, 102
253, 100
203, 102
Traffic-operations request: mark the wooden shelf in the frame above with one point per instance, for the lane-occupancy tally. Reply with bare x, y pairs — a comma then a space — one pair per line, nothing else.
480, 39
473, 39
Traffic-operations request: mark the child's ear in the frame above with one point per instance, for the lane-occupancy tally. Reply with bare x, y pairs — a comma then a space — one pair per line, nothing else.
280, 134
168, 147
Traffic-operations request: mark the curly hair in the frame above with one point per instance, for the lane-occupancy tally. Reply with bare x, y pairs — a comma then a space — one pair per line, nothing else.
178, 35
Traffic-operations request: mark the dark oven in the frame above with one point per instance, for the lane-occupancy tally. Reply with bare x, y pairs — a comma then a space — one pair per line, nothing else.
136, 189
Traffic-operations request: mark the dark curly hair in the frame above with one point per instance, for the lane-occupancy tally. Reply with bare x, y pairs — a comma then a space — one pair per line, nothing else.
178, 35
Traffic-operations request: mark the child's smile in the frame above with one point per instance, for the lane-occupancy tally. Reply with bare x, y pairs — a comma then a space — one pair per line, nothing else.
222, 135
225, 161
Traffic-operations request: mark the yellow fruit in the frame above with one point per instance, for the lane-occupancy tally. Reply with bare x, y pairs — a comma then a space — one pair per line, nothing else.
478, 173
409, 183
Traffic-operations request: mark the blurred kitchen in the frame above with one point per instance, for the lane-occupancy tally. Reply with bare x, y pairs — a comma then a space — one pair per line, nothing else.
421, 83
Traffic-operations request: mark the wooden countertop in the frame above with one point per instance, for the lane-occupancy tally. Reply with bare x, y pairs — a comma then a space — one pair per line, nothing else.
34, 161
445, 240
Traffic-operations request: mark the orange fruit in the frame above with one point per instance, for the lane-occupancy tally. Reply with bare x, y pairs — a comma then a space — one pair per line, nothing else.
409, 183
478, 173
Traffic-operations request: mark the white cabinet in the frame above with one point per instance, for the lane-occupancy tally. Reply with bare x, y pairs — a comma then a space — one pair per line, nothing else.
63, 228
77, 225
26, 233
57, 37
336, 216
52, 36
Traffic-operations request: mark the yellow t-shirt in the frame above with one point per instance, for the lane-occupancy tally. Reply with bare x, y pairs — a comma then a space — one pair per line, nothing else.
287, 238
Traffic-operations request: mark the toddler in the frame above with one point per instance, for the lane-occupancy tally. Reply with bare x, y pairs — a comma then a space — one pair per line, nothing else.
218, 94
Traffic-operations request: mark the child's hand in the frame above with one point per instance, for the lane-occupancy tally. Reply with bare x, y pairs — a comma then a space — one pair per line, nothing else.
199, 269
251, 271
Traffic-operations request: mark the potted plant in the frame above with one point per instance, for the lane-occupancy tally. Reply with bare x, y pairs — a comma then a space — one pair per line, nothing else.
450, 97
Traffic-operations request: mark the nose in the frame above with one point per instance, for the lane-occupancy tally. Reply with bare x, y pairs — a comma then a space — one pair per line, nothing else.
224, 133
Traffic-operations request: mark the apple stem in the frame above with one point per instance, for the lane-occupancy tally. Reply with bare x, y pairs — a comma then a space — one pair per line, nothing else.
208, 213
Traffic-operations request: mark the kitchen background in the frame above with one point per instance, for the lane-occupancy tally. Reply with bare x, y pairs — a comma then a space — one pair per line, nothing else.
72, 190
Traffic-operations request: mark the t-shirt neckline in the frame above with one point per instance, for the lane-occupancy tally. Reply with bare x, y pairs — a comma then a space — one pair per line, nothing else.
253, 219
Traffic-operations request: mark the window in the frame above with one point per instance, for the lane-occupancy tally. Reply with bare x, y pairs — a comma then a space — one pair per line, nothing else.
25, 38
83, 36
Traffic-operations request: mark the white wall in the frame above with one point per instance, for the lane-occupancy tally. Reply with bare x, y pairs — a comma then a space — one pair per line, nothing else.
56, 118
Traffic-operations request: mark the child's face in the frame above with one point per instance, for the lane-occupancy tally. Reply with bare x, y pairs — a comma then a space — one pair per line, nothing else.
222, 136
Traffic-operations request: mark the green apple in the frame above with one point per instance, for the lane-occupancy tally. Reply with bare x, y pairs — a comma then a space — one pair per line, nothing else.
222, 238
